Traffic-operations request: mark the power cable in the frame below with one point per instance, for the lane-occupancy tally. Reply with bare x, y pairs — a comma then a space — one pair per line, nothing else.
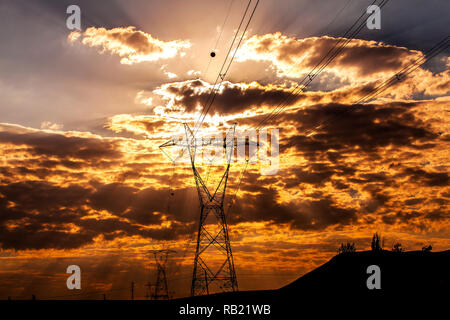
222, 74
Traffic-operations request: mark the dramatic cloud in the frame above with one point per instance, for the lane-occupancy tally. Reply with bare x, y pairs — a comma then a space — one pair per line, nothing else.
190, 96
73, 216
366, 60
132, 45
63, 146
298, 214
231, 98
365, 127
186, 98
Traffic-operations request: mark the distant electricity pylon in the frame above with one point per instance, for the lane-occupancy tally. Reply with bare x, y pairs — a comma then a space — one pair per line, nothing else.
213, 263
160, 288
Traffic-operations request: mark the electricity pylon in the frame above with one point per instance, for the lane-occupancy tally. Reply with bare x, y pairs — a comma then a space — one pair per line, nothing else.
213, 263
161, 291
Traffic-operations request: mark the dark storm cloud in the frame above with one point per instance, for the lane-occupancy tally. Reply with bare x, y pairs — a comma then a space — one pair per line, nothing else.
310, 177
143, 206
37, 215
36, 211
432, 179
367, 127
29, 167
43, 213
115, 197
301, 214
62, 146
47, 199
376, 201
317, 174
414, 201
413, 216
438, 215
32, 237
179, 205
231, 98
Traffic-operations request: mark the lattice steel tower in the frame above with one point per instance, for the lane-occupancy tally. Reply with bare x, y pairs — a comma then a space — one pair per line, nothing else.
213, 263
161, 290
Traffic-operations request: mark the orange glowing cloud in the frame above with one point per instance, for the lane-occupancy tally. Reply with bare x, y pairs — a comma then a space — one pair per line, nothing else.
133, 46
365, 60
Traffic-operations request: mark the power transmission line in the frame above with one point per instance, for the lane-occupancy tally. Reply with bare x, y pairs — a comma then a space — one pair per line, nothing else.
396, 78
324, 30
318, 68
231, 283
332, 53
435, 50
225, 67
399, 76
219, 36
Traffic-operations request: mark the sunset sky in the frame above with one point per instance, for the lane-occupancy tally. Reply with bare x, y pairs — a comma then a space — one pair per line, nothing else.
82, 113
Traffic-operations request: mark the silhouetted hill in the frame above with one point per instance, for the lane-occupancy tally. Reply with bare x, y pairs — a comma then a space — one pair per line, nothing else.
413, 273
410, 273
407, 279
410, 281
